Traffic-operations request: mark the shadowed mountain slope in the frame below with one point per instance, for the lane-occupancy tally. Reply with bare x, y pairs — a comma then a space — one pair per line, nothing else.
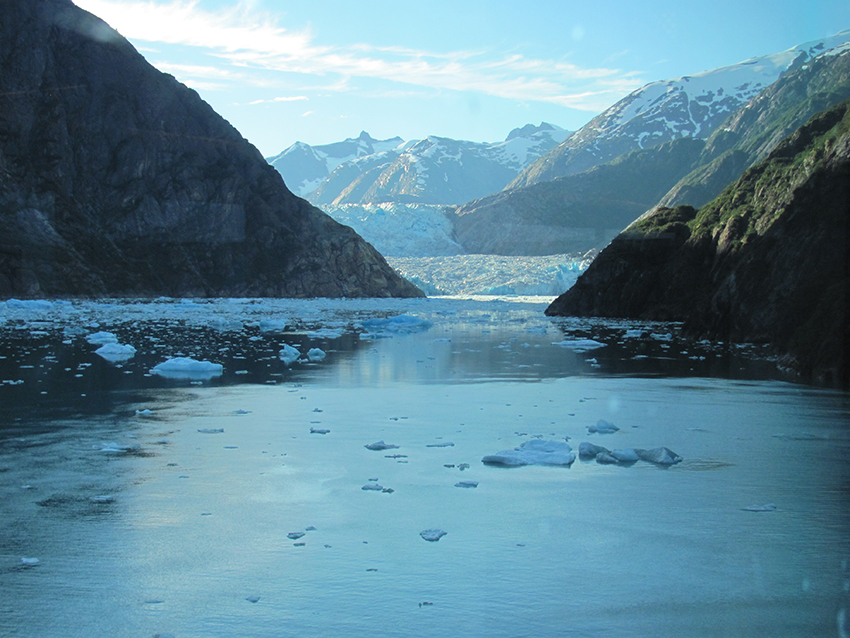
767, 261
115, 179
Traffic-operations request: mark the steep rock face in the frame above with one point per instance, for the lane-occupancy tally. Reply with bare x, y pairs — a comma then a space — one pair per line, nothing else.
575, 213
690, 106
115, 179
767, 261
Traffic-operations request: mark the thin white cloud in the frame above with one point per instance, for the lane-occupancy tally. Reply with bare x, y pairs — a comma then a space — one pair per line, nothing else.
253, 42
292, 98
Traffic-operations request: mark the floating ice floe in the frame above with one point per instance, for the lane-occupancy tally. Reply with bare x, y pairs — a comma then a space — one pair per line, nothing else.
440, 445
316, 354
602, 427
102, 338
380, 445
579, 344
372, 487
273, 325
288, 354
628, 456
146, 412
400, 324
467, 484
432, 535
252, 599
115, 352
211, 430
534, 452
659, 456
590, 451
29, 561
319, 431
294, 536
186, 368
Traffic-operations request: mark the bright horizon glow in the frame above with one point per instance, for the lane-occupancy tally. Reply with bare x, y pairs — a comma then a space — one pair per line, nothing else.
471, 69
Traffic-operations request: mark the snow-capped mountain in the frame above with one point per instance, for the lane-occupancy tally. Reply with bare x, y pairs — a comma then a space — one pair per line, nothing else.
304, 167
690, 106
436, 170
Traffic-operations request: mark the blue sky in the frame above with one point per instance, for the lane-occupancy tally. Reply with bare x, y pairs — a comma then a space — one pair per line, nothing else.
319, 71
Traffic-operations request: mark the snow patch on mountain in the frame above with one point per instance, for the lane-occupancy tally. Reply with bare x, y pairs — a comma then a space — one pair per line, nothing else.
689, 106
435, 170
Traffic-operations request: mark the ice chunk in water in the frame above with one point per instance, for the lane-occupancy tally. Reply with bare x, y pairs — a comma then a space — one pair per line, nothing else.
380, 445
659, 456
432, 535
590, 451
102, 338
534, 452
316, 354
115, 352
579, 344
467, 484
603, 427
627, 455
29, 561
186, 368
288, 354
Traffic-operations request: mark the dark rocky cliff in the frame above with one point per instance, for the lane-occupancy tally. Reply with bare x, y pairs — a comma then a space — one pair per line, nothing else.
767, 261
115, 179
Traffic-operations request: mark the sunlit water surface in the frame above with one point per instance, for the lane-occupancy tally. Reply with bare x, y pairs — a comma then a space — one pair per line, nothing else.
177, 521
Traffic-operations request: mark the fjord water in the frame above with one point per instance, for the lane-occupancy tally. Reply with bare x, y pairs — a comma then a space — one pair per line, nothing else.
164, 507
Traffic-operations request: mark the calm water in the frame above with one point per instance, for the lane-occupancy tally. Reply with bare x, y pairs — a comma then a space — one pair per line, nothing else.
157, 523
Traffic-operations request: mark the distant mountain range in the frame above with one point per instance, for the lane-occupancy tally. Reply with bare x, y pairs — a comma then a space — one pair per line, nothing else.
436, 170
691, 106
546, 191
583, 210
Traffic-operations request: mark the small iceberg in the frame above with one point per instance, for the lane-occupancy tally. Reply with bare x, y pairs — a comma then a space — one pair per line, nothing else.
401, 324
467, 484
602, 427
211, 430
579, 344
380, 445
186, 368
534, 452
288, 354
115, 352
432, 535
102, 338
316, 354
659, 456
372, 487
294, 536
319, 431
588, 451
29, 561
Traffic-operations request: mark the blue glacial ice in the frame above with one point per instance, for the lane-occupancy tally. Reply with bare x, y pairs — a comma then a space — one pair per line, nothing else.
534, 452
186, 368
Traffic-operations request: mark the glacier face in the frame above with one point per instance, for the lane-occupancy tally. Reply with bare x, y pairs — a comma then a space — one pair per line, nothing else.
411, 230
492, 275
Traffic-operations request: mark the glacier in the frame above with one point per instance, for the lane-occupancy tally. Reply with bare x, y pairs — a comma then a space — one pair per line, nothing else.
492, 275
